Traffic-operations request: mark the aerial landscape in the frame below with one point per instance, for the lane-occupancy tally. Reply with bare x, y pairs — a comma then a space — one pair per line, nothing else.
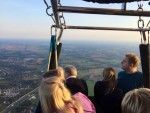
22, 64
93, 35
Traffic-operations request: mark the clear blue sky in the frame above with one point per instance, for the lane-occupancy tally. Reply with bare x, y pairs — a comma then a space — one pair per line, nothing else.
27, 19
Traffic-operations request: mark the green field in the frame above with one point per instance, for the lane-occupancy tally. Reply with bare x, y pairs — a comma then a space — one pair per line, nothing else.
90, 87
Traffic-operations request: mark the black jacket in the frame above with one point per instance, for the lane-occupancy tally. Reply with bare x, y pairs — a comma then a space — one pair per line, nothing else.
110, 103
76, 85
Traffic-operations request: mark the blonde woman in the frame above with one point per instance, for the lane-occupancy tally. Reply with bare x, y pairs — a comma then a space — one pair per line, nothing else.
106, 94
54, 72
55, 97
136, 101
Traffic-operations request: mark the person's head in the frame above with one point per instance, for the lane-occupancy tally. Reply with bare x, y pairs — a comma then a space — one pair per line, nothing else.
70, 70
55, 72
54, 96
130, 63
109, 75
136, 101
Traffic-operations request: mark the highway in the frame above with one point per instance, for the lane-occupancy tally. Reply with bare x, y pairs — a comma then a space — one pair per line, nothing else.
19, 101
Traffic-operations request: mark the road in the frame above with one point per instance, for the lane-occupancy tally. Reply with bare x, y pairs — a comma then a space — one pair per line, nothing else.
19, 101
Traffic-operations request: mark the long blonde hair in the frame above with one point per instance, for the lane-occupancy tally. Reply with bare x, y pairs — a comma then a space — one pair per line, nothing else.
109, 75
54, 96
136, 101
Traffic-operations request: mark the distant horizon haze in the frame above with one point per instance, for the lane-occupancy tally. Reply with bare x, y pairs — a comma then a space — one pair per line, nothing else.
136, 40
27, 19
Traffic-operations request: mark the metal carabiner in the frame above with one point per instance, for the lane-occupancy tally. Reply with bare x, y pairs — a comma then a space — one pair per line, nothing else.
62, 20
51, 15
142, 23
54, 30
60, 35
140, 6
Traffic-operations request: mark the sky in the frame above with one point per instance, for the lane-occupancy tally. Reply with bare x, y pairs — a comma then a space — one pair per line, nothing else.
27, 19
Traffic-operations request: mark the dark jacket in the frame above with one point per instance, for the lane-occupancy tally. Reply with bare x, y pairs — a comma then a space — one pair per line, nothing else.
110, 103
76, 85
128, 82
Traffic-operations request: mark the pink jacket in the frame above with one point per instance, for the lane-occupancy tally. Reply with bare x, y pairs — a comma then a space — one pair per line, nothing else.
87, 105
71, 107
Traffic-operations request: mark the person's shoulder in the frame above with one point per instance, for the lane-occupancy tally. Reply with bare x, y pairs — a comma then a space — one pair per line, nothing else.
80, 96
139, 73
75, 81
75, 78
81, 79
70, 79
121, 72
100, 83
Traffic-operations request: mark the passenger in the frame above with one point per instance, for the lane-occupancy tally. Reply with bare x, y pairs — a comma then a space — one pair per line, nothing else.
54, 72
106, 94
73, 83
130, 78
59, 73
55, 97
136, 101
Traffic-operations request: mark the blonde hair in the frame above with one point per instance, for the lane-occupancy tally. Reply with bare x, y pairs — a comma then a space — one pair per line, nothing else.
133, 59
54, 96
136, 101
71, 70
55, 72
109, 75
